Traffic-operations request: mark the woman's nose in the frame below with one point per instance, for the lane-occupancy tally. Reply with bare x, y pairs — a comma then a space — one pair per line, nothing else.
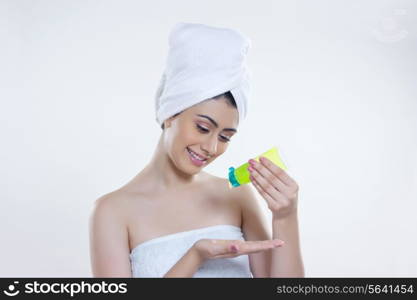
210, 146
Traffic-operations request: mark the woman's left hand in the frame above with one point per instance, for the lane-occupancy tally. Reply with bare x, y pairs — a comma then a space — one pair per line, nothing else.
278, 189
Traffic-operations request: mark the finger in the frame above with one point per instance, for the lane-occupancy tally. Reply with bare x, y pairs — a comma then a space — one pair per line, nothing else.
239, 247
274, 242
269, 175
262, 248
219, 247
228, 255
262, 192
277, 171
229, 248
245, 251
266, 187
253, 246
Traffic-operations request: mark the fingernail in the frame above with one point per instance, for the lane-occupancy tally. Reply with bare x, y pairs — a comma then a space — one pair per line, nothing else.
234, 248
278, 243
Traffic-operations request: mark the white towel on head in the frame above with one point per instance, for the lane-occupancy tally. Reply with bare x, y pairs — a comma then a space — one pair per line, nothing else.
203, 62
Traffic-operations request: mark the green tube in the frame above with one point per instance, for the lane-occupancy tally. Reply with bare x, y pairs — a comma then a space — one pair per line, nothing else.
241, 174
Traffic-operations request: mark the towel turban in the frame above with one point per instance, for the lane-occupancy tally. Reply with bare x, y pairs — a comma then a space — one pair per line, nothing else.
203, 62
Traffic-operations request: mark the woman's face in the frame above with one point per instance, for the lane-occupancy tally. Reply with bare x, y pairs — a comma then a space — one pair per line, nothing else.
201, 133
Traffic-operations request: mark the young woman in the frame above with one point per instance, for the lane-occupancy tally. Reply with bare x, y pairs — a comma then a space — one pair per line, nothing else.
175, 220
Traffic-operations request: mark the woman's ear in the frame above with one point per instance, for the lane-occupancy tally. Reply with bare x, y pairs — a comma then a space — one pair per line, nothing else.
167, 122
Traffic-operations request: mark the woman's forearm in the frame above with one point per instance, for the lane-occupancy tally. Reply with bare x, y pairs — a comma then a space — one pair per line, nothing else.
187, 265
287, 260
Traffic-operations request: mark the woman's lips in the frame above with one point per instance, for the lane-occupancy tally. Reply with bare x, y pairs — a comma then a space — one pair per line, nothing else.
196, 161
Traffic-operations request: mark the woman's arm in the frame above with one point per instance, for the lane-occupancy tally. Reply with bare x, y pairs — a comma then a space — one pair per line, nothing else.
287, 261
109, 245
255, 227
280, 191
109, 242
187, 265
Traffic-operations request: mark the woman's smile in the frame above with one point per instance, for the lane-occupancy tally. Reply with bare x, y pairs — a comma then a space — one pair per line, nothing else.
195, 158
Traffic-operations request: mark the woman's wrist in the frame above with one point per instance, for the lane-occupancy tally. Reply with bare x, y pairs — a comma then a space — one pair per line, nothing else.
196, 254
188, 265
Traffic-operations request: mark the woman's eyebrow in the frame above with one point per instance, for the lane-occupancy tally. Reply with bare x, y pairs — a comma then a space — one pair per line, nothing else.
215, 123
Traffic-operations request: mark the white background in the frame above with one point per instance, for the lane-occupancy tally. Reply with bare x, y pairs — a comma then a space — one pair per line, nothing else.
334, 88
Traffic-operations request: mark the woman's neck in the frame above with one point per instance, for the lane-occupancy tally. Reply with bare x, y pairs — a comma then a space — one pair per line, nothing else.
161, 174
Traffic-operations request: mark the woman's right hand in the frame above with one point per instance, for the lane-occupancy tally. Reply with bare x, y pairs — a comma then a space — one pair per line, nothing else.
217, 248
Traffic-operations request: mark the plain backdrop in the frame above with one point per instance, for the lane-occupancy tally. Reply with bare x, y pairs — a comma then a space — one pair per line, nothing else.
334, 88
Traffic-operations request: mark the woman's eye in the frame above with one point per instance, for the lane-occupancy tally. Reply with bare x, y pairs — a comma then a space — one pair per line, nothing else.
225, 139
202, 128
205, 130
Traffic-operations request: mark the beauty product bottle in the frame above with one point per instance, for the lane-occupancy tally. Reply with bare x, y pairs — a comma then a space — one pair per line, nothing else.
241, 174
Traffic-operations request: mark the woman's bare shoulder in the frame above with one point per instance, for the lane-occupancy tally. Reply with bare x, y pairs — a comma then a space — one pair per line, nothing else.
221, 185
117, 201
214, 180
111, 198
